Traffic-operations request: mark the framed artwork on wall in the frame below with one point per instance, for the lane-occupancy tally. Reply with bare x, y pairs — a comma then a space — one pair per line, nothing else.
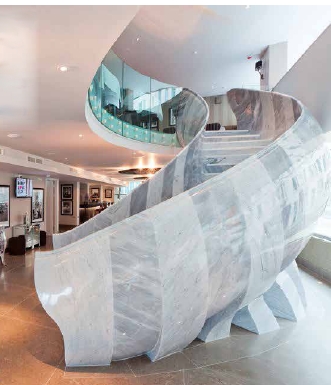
4, 205
172, 117
66, 208
37, 205
155, 124
108, 193
95, 192
67, 191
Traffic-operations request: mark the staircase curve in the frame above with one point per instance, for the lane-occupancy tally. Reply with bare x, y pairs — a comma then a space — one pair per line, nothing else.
209, 240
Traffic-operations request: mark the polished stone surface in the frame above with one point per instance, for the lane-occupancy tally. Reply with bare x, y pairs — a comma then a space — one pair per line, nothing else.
31, 346
153, 278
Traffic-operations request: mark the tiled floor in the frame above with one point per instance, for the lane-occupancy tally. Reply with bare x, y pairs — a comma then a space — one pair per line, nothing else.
31, 347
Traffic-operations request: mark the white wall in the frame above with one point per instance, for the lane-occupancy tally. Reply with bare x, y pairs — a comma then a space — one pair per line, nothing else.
19, 206
220, 113
274, 65
309, 80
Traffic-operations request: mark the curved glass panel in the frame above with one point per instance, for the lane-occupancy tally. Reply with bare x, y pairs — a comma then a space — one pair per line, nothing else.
134, 105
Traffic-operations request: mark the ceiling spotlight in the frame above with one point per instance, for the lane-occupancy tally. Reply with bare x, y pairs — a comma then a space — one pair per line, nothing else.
138, 38
80, 135
195, 52
62, 68
13, 135
65, 158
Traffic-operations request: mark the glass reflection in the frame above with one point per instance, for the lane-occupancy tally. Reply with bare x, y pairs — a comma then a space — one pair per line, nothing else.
134, 105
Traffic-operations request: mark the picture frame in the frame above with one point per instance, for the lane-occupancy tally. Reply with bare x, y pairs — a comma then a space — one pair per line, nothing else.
4, 206
108, 193
66, 207
95, 193
37, 205
172, 117
67, 191
155, 124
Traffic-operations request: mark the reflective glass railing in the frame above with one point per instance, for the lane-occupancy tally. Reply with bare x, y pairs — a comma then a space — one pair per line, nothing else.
134, 105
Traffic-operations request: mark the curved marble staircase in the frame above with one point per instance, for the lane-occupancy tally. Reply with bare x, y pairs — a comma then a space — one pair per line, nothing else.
208, 241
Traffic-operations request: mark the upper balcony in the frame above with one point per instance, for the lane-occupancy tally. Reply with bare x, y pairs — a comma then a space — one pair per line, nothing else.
132, 110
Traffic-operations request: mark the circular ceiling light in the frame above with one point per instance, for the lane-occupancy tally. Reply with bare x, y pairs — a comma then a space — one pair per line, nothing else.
138, 154
140, 171
13, 135
80, 135
63, 68
195, 52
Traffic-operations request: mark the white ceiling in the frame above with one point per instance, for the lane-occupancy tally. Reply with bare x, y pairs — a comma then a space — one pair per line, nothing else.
223, 36
46, 107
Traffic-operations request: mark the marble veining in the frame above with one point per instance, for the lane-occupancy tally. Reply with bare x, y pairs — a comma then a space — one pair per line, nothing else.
211, 239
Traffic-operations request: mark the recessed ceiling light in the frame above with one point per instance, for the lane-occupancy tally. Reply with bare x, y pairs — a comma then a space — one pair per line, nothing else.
138, 38
13, 135
195, 52
65, 158
80, 135
62, 68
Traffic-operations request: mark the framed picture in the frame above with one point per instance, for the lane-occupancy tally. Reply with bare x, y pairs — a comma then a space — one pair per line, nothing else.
155, 124
67, 191
66, 208
37, 205
108, 193
172, 117
95, 192
4, 205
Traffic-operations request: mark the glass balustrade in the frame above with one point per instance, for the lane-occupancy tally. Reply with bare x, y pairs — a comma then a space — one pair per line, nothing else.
134, 105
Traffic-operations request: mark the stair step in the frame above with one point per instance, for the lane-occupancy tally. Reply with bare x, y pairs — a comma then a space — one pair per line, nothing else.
224, 133
230, 138
236, 145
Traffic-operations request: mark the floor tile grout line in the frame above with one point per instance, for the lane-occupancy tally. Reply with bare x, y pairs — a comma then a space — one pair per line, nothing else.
192, 362
12, 268
168, 372
20, 286
55, 369
28, 322
18, 304
242, 358
129, 366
